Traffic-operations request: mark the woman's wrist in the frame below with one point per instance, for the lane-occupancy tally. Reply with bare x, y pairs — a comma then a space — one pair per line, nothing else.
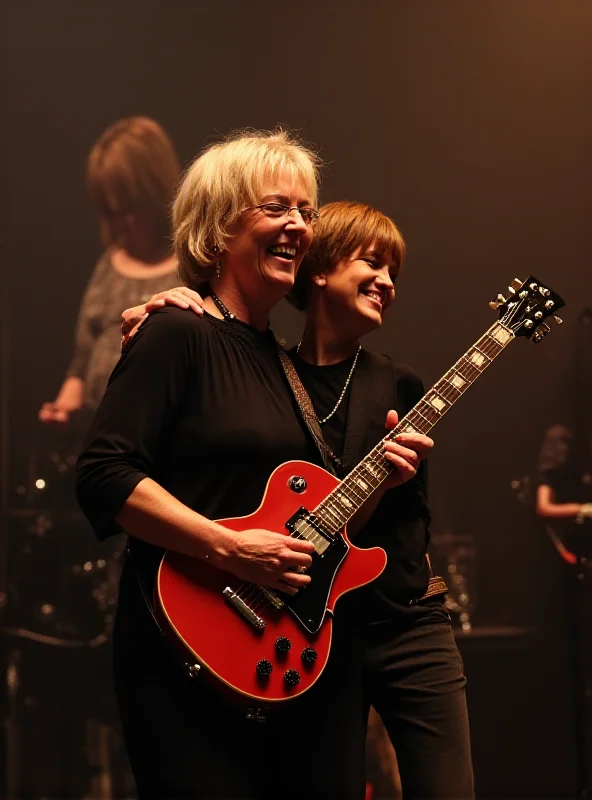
584, 513
221, 545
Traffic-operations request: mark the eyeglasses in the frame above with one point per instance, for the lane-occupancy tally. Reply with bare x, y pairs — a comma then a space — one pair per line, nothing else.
309, 215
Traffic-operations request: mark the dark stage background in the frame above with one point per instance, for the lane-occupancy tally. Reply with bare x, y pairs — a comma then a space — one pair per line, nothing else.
470, 123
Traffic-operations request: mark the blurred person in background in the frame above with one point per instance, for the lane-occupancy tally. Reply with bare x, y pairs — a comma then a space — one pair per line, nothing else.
132, 174
564, 488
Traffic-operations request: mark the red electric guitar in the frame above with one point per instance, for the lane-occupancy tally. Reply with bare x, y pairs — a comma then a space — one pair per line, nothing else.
269, 647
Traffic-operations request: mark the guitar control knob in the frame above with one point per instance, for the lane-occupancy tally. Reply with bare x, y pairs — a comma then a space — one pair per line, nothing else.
308, 656
264, 668
292, 678
297, 484
282, 644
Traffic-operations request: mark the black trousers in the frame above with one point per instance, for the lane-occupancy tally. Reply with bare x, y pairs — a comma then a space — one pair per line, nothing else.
413, 677
185, 741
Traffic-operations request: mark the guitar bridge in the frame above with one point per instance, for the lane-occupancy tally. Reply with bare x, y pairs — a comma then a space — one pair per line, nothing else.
239, 604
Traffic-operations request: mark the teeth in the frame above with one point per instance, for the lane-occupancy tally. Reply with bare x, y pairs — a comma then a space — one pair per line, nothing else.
375, 295
282, 250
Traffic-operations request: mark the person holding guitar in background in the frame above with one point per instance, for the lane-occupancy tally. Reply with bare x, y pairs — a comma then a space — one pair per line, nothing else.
564, 485
132, 174
411, 670
196, 417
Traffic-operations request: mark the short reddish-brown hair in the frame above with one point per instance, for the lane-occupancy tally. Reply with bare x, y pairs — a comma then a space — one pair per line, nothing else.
343, 228
133, 168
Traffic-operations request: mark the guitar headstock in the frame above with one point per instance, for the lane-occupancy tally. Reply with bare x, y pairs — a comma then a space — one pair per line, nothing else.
528, 305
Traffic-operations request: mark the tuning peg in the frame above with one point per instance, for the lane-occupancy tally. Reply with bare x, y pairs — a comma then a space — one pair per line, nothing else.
557, 319
516, 284
540, 333
497, 302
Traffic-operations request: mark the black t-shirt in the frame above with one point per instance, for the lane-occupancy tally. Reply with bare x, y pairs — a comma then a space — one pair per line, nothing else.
400, 525
324, 386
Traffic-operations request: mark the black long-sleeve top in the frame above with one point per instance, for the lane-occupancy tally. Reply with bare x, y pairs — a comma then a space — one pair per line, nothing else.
199, 405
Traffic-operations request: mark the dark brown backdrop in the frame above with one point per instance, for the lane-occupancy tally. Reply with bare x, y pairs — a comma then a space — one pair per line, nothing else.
470, 123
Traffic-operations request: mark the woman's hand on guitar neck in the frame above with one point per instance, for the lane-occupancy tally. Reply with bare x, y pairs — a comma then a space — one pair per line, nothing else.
269, 559
405, 453
180, 296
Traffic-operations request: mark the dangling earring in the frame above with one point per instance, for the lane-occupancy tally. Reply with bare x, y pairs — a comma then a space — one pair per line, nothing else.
217, 266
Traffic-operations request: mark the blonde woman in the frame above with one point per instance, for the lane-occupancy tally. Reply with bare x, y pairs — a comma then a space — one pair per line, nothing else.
132, 175
411, 671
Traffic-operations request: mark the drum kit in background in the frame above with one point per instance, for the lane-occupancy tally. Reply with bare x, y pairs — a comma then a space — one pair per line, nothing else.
56, 618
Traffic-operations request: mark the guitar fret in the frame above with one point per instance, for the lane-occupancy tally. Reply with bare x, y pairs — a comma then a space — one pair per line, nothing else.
500, 335
352, 489
343, 497
361, 483
326, 506
337, 510
355, 491
370, 474
381, 467
467, 370
478, 350
427, 411
422, 424
449, 392
456, 381
437, 401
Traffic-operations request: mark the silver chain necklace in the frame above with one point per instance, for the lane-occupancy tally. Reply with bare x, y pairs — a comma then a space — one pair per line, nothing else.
344, 390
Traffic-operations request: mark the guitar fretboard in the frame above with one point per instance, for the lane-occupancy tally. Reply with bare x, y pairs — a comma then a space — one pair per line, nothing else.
343, 502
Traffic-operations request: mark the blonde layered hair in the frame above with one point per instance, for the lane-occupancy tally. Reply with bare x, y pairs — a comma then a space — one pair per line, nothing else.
221, 182
342, 229
133, 169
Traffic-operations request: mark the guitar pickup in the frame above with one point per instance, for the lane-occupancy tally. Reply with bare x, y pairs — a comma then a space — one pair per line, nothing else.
272, 598
304, 515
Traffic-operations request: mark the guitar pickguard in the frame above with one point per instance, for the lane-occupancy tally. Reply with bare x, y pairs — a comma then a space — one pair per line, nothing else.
310, 604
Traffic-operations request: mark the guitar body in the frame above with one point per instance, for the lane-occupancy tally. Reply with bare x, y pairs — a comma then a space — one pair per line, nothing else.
294, 643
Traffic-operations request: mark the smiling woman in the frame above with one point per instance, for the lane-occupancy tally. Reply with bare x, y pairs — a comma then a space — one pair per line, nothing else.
401, 655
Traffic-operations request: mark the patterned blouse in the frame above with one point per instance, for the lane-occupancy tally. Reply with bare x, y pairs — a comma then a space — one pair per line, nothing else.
98, 332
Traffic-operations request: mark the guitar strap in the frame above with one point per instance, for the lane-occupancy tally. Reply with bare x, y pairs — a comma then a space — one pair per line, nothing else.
308, 413
436, 584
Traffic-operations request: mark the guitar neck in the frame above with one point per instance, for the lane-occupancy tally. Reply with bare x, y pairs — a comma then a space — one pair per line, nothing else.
353, 491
